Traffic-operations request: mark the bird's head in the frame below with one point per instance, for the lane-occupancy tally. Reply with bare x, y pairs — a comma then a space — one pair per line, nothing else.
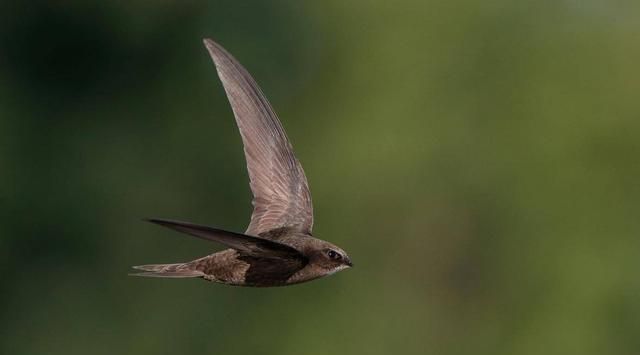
329, 257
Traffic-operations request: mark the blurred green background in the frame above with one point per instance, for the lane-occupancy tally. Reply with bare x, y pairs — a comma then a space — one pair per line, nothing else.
480, 162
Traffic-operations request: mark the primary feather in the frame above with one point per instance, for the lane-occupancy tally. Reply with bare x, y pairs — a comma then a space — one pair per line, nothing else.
279, 186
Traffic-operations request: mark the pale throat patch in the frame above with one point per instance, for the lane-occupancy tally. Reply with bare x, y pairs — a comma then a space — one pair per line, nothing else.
307, 274
339, 268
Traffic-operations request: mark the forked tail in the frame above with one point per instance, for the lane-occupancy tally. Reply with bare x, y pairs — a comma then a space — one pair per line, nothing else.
167, 270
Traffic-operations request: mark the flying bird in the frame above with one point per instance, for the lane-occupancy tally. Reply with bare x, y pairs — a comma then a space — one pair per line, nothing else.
277, 249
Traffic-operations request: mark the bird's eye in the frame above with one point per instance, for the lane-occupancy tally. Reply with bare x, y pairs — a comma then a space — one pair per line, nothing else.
332, 254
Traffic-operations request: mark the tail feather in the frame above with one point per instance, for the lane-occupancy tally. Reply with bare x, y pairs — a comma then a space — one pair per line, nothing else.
157, 267
167, 270
180, 274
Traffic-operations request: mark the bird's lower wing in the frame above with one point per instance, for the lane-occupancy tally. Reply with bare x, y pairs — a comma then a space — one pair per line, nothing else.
245, 244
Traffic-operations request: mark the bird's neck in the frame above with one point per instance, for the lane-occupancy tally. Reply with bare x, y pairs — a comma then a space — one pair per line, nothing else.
307, 273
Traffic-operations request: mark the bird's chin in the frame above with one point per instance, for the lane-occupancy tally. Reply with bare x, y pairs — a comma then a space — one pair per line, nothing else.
338, 268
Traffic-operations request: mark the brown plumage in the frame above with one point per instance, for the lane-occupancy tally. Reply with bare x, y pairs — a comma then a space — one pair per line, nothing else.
277, 248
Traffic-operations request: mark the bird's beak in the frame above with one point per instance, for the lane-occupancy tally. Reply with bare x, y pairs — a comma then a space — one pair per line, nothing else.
348, 262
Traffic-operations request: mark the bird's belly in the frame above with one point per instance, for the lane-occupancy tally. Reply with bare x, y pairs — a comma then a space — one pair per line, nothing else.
232, 268
222, 267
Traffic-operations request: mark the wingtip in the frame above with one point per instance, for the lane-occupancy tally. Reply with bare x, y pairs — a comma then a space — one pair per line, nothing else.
212, 46
208, 42
160, 221
156, 220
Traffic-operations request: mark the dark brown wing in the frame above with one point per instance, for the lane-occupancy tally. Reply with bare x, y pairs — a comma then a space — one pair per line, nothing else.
281, 195
248, 245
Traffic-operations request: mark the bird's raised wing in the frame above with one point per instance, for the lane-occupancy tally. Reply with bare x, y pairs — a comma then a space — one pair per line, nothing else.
281, 195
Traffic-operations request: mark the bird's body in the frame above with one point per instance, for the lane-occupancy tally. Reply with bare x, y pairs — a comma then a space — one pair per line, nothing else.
233, 267
277, 248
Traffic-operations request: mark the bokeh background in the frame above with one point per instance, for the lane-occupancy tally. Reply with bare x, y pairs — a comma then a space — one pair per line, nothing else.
479, 160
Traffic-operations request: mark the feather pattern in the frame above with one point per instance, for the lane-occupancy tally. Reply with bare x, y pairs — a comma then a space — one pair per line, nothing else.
277, 180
